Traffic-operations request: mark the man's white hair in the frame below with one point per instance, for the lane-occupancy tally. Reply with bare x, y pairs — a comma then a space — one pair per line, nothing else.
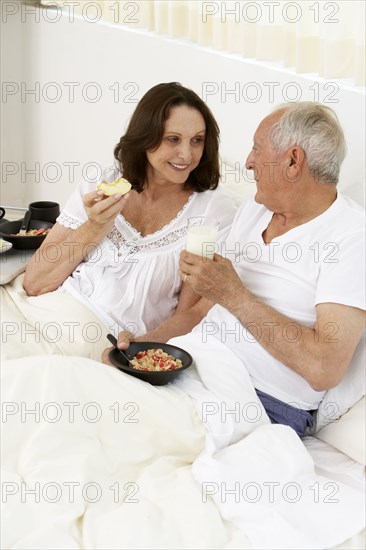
316, 129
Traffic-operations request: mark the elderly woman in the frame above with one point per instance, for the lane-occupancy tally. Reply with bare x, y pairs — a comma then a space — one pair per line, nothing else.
119, 254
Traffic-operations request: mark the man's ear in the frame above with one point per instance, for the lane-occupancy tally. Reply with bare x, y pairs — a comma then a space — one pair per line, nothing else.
297, 156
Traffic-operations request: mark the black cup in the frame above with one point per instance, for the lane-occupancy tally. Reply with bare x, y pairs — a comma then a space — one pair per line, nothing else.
2, 212
45, 211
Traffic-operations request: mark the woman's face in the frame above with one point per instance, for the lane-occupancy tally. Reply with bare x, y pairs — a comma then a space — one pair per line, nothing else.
181, 148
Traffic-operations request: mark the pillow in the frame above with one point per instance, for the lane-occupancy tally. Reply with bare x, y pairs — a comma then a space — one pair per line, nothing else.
341, 413
233, 181
338, 400
348, 434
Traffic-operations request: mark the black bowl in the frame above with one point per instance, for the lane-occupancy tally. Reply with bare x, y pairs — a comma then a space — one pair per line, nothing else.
156, 378
22, 242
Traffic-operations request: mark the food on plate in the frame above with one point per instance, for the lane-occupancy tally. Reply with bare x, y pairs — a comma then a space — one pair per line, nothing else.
32, 232
121, 186
155, 360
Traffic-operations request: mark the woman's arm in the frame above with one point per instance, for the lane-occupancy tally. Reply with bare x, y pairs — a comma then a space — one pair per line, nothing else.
180, 323
64, 248
191, 309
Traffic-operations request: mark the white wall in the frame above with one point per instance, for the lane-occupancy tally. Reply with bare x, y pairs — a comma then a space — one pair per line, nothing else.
59, 137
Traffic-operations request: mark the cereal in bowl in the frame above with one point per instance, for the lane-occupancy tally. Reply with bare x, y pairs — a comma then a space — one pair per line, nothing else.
155, 360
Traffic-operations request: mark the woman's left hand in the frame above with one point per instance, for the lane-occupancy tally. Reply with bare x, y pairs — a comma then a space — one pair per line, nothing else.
216, 280
105, 357
124, 339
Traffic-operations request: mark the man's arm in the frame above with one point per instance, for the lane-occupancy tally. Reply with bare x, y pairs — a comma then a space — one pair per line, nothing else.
321, 354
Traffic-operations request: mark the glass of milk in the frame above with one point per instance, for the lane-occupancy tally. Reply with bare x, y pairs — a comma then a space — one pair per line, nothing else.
202, 236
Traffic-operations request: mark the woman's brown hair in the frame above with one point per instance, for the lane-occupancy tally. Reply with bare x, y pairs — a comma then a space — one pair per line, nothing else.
145, 132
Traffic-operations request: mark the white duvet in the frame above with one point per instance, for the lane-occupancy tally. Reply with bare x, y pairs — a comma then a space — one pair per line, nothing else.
94, 458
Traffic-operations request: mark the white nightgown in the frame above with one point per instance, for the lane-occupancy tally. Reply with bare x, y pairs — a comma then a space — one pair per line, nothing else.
129, 281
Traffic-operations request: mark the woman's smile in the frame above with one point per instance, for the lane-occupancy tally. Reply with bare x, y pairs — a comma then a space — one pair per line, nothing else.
179, 167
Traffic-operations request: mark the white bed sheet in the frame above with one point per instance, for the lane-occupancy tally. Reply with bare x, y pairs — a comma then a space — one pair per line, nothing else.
167, 455
155, 460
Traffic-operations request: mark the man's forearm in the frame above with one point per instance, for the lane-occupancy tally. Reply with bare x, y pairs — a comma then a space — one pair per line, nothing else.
321, 354
298, 347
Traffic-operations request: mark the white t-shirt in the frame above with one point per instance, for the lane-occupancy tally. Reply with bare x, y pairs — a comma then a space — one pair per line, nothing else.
320, 261
129, 281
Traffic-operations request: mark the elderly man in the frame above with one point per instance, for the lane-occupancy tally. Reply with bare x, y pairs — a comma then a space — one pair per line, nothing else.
287, 291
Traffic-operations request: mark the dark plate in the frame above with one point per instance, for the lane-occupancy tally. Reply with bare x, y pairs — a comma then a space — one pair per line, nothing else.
22, 242
157, 378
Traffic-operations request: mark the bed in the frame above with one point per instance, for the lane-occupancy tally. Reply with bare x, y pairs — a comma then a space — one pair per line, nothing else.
94, 458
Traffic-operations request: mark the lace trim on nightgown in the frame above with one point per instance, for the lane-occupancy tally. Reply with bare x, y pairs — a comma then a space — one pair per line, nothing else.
68, 221
163, 229
119, 240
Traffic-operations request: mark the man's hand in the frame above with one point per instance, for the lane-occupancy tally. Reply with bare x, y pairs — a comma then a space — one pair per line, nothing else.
216, 280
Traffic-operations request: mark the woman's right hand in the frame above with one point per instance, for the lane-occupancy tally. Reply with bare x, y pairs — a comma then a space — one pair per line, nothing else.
43, 275
102, 210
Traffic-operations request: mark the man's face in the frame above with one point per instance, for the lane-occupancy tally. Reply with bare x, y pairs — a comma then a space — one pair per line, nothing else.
269, 167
